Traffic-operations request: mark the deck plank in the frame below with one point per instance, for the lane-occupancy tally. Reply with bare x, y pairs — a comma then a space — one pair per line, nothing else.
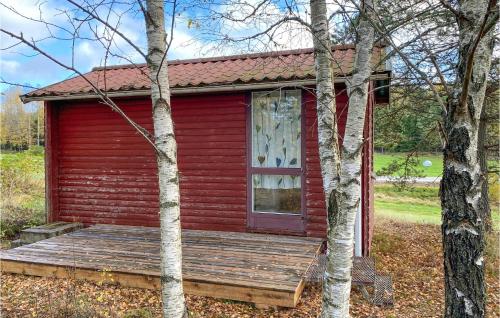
260, 268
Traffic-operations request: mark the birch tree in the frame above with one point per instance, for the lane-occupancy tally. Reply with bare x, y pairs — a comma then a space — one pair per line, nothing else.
463, 206
341, 166
97, 16
461, 186
168, 175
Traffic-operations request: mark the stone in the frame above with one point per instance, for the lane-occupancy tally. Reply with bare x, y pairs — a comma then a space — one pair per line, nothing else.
15, 243
46, 231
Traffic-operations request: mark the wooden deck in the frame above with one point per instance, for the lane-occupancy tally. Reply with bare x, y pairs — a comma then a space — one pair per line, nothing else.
258, 268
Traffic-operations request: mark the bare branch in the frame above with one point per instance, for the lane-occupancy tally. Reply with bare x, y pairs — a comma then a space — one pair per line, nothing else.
95, 16
483, 29
142, 131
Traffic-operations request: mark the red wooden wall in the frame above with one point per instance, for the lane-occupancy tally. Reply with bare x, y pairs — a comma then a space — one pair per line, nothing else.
107, 172
99, 170
316, 210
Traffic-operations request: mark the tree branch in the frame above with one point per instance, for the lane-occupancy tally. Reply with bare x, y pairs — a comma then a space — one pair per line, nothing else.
142, 131
105, 23
483, 29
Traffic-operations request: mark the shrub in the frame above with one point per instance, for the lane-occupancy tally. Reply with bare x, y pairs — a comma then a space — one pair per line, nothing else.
405, 172
22, 182
15, 219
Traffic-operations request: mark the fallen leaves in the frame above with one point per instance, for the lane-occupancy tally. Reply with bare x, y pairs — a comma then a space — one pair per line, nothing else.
411, 253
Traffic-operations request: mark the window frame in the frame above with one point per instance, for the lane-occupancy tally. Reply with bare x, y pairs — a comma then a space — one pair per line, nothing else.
275, 221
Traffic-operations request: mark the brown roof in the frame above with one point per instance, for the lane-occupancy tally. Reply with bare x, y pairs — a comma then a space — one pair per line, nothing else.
217, 71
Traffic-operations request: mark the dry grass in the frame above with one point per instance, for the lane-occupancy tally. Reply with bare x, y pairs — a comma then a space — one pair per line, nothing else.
411, 253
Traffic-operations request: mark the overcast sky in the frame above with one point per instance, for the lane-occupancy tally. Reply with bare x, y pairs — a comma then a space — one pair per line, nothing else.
20, 64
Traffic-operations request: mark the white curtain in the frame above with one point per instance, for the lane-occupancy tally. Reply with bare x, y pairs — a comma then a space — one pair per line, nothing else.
276, 136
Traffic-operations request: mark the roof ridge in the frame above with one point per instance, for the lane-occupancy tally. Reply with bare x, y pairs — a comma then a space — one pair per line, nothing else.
227, 57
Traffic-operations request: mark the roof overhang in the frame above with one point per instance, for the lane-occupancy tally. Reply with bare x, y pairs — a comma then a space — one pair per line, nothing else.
194, 90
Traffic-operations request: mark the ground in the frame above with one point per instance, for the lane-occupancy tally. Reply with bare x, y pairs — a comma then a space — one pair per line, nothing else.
410, 252
407, 245
420, 204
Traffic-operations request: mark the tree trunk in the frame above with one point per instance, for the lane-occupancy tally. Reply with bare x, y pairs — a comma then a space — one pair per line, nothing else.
462, 182
327, 139
483, 164
341, 176
168, 177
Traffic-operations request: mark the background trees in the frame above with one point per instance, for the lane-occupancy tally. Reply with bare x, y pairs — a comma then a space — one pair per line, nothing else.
21, 126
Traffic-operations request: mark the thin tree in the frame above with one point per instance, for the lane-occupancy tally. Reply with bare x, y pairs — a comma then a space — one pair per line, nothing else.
341, 166
163, 140
174, 304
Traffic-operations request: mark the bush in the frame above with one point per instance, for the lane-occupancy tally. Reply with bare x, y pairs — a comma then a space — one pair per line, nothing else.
36, 150
15, 219
72, 307
404, 172
22, 181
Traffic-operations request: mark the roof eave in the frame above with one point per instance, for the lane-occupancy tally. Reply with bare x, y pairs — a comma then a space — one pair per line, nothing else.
192, 90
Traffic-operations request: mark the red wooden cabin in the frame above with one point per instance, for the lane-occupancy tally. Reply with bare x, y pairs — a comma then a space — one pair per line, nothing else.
247, 145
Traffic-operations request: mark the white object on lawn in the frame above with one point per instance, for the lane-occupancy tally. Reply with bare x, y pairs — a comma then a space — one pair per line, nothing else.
427, 163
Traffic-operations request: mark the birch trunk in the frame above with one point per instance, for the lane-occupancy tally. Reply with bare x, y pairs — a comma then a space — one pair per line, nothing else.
341, 175
483, 163
168, 177
327, 139
461, 185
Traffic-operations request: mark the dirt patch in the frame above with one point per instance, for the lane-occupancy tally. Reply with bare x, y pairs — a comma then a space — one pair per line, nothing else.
411, 253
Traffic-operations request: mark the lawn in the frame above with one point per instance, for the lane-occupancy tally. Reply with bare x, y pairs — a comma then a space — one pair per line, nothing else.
417, 205
383, 160
435, 170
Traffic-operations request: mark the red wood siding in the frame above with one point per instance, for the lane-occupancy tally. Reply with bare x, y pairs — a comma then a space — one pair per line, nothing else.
107, 173
315, 199
100, 170
51, 161
316, 210
211, 136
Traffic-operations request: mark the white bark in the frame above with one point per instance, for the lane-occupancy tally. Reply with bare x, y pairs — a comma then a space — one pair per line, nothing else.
461, 185
168, 177
341, 176
327, 136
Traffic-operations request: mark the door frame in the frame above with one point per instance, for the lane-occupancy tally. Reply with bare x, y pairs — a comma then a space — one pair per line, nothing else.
276, 222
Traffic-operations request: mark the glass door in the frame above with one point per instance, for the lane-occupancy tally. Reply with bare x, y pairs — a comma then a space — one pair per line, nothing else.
275, 169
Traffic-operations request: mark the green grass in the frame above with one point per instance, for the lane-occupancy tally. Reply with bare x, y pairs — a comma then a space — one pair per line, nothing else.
23, 195
383, 160
418, 205
435, 170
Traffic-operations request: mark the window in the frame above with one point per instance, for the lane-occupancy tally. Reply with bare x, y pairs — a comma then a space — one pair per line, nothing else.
277, 193
276, 152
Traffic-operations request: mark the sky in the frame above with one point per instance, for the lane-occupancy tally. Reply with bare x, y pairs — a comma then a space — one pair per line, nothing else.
198, 32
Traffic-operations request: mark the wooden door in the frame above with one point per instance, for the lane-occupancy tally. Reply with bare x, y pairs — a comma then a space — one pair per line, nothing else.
275, 161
